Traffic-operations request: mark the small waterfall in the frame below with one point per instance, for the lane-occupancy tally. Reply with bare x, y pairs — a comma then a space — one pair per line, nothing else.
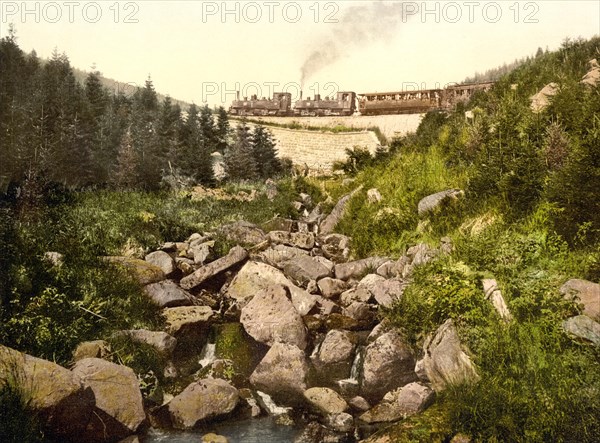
357, 364
207, 356
349, 386
269, 405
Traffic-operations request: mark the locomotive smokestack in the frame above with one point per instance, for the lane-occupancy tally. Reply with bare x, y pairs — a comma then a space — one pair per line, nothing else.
317, 97
238, 95
300, 94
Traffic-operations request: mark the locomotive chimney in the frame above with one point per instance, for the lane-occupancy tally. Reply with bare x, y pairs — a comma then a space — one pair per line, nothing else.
317, 97
238, 95
300, 94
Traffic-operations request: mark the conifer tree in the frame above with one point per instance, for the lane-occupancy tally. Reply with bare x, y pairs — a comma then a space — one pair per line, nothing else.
222, 131
239, 160
264, 152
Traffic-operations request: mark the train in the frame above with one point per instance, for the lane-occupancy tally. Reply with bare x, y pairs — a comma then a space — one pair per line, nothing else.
346, 103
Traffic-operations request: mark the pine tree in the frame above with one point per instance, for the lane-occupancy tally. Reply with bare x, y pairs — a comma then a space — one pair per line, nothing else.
207, 126
239, 160
194, 159
126, 176
222, 131
264, 152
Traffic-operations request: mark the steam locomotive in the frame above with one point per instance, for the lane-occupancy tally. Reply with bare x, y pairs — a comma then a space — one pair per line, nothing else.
347, 103
281, 105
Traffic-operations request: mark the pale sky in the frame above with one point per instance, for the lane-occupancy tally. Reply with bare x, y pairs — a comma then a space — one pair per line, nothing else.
198, 51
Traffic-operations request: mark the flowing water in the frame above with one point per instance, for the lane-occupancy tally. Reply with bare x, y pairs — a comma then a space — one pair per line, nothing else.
256, 430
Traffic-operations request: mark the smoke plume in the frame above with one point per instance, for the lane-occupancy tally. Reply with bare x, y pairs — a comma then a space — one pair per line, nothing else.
360, 25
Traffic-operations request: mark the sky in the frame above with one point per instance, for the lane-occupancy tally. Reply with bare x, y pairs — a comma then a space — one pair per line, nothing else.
204, 51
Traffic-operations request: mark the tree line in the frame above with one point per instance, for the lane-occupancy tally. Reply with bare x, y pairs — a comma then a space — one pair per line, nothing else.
55, 130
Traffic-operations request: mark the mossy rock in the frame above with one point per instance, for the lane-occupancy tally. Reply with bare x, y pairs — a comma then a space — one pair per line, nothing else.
233, 343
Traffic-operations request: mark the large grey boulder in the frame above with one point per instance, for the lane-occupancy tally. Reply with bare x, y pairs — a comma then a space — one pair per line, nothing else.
119, 410
254, 277
282, 374
303, 268
388, 364
334, 356
434, 201
279, 255
335, 247
236, 255
163, 260
583, 327
270, 317
331, 287
585, 292
325, 400
202, 401
92, 349
62, 403
167, 294
444, 362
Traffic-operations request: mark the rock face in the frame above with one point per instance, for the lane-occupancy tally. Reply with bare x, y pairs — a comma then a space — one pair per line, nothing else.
583, 327
64, 405
119, 411
282, 373
168, 294
587, 293
162, 260
270, 317
434, 201
541, 100
203, 400
388, 364
445, 362
236, 255
325, 400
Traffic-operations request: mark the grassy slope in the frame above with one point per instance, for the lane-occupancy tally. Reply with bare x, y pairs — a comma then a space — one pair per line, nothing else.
537, 384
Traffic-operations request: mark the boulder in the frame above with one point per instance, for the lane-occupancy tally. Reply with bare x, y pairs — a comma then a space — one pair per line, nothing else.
401, 403
388, 292
256, 276
341, 321
435, 201
278, 224
162, 260
161, 341
182, 319
270, 317
236, 255
359, 404
333, 357
214, 438
444, 362
421, 254
304, 268
358, 268
335, 247
282, 373
119, 411
167, 294
91, 349
302, 240
541, 100
585, 292
279, 255
340, 422
358, 294
331, 287
583, 327
328, 225
388, 364
144, 272
202, 401
325, 400
391, 269
493, 294
374, 196
201, 252
317, 433
362, 313
242, 233
63, 405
